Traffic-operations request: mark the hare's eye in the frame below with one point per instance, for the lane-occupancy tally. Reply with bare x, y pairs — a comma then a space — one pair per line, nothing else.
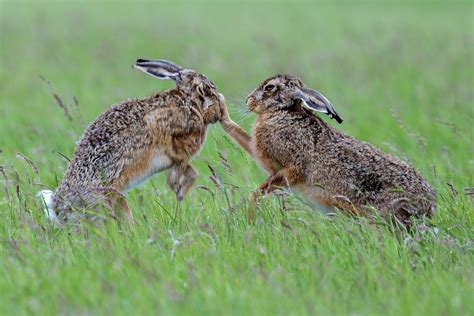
269, 87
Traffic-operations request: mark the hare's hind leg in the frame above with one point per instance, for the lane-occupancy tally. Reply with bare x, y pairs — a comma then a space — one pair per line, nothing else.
117, 203
181, 178
122, 206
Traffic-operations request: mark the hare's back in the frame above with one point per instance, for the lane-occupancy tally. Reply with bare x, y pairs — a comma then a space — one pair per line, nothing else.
114, 140
369, 169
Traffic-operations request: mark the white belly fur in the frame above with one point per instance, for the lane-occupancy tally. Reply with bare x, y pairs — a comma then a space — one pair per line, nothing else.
159, 162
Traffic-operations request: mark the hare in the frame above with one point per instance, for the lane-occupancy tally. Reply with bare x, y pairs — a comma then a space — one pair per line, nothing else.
135, 139
298, 149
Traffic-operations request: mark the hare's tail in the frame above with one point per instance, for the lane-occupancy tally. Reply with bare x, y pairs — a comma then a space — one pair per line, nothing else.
46, 196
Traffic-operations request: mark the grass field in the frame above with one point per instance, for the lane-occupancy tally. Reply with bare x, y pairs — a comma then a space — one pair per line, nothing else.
402, 76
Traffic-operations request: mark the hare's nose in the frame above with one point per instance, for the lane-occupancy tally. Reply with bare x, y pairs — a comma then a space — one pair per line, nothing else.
250, 100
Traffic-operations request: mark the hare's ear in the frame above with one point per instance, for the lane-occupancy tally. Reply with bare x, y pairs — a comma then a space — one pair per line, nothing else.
315, 101
201, 92
160, 68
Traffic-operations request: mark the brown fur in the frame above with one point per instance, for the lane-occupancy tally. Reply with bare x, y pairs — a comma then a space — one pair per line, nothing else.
299, 149
119, 147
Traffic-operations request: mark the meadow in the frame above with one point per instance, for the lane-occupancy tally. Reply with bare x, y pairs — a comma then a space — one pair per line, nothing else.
400, 73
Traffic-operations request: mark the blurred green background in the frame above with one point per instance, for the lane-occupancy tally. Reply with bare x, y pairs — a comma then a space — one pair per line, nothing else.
400, 73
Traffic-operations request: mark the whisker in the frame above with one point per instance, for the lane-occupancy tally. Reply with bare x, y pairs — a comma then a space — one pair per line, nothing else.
240, 112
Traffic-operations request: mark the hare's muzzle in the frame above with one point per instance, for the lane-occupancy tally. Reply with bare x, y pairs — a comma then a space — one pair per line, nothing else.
250, 101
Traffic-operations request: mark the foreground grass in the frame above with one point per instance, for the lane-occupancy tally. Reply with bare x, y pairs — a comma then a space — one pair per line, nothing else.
400, 75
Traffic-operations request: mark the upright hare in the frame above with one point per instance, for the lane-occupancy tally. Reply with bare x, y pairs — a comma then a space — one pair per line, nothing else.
137, 138
298, 149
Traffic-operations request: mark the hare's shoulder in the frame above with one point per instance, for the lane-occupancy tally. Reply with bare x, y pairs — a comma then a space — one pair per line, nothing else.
285, 137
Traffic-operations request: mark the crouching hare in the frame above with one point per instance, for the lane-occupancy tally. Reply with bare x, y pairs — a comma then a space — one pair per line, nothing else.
298, 149
135, 139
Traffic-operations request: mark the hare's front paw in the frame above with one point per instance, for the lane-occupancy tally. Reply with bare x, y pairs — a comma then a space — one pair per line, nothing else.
173, 180
187, 181
181, 181
224, 114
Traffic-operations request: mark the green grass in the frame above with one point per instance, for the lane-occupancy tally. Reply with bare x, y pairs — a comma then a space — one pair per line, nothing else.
401, 75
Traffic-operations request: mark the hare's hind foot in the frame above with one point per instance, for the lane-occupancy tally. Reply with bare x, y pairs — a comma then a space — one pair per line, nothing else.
405, 208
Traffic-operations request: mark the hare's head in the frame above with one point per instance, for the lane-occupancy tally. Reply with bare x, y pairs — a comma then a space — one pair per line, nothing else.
196, 86
284, 92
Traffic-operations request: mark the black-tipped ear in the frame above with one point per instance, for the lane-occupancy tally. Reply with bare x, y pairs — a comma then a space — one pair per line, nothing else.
314, 100
160, 68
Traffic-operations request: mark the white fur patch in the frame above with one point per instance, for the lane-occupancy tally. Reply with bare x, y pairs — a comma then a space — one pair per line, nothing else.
159, 162
46, 196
